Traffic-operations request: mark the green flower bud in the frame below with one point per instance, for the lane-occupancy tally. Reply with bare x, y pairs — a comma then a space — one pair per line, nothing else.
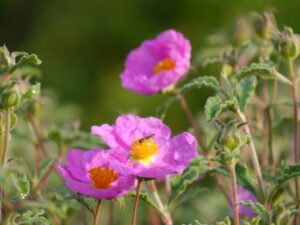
288, 44
265, 24
10, 99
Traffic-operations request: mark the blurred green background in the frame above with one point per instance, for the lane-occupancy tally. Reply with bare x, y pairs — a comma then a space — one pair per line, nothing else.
83, 45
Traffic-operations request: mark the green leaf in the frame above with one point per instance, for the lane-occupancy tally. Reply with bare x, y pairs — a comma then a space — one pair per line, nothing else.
214, 106
226, 222
207, 81
21, 183
243, 177
290, 172
161, 111
146, 199
190, 194
45, 166
245, 88
258, 208
121, 202
195, 222
257, 69
24, 60
33, 217
13, 121
32, 92
179, 183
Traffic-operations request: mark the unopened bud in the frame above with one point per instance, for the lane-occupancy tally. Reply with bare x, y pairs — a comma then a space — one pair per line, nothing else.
288, 44
10, 99
264, 25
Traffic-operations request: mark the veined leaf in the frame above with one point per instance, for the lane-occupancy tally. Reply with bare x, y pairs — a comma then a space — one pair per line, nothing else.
214, 106
207, 81
245, 88
257, 69
145, 198
258, 208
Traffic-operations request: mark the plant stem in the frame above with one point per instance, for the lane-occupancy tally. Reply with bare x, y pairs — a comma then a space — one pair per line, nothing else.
191, 120
296, 159
96, 213
37, 134
136, 201
166, 217
254, 156
234, 194
201, 143
111, 213
6, 136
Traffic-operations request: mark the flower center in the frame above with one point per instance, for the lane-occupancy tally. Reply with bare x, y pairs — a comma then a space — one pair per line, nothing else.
164, 65
143, 149
102, 177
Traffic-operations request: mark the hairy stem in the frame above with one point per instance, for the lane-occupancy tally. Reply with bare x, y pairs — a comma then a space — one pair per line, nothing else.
96, 213
136, 201
296, 142
254, 157
234, 194
6, 136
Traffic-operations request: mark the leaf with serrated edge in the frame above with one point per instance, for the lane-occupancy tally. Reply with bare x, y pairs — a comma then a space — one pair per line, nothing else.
245, 88
207, 81
145, 198
258, 208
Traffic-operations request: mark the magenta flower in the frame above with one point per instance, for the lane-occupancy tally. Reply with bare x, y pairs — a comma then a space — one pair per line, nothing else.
157, 63
97, 173
147, 145
245, 195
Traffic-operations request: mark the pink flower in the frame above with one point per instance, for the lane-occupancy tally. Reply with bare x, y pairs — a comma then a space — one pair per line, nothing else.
157, 63
97, 173
245, 195
147, 145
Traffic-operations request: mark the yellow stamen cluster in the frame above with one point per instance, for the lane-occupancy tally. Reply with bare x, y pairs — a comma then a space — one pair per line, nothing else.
164, 65
102, 177
142, 150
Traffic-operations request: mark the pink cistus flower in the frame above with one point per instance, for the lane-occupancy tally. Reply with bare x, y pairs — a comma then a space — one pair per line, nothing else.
146, 143
157, 63
245, 195
97, 173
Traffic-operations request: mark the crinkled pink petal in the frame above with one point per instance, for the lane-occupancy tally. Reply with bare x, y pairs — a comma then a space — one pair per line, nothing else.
174, 157
80, 162
129, 128
139, 74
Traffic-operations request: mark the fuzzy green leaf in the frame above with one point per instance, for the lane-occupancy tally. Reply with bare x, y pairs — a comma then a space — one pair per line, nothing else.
258, 208
243, 177
33, 217
26, 58
257, 69
179, 183
146, 199
214, 106
32, 92
290, 172
244, 90
206, 81
21, 183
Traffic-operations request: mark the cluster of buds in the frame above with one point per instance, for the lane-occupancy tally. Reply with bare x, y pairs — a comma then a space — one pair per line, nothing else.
230, 140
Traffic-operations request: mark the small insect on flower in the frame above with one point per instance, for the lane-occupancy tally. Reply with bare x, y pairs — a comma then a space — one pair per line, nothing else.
146, 138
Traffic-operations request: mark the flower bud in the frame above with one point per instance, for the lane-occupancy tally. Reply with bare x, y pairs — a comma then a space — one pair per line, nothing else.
10, 99
288, 44
265, 24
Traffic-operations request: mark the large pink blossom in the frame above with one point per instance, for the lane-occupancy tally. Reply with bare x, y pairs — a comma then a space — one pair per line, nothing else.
157, 63
97, 173
146, 143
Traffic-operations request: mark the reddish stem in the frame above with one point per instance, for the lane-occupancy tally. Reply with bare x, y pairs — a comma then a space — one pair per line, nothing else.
96, 214
136, 201
234, 194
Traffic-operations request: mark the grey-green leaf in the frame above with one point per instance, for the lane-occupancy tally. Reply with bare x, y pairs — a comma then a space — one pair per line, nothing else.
257, 69
146, 199
213, 107
32, 92
245, 88
22, 184
258, 208
24, 60
207, 81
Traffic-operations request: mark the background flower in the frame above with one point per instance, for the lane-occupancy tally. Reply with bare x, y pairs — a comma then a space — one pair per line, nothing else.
151, 157
245, 195
97, 173
157, 63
